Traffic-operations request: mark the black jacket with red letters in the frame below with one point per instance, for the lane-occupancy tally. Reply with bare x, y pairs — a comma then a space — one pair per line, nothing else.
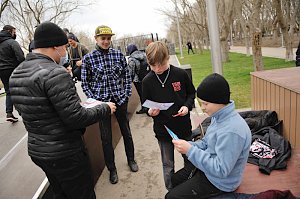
178, 89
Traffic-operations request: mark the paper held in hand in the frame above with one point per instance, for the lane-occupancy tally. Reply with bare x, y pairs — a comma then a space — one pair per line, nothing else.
173, 135
90, 102
157, 105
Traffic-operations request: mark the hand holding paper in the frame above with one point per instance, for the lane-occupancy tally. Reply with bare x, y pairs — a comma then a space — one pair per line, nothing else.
90, 102
182, 146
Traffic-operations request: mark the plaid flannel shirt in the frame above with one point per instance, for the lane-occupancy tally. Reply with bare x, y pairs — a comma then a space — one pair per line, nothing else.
106, 77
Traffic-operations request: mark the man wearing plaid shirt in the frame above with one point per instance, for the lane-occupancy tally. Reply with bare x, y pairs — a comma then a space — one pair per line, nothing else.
106, 77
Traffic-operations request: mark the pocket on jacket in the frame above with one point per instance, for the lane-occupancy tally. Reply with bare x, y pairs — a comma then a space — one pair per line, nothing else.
117, 70
98, 73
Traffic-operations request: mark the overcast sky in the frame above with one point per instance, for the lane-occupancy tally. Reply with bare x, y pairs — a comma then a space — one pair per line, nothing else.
125, 17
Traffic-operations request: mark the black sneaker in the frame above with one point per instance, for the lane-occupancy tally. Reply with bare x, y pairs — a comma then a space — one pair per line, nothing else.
113, 177
11, 118
133, 166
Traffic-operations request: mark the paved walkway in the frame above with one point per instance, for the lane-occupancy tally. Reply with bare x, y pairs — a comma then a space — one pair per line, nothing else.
267, 52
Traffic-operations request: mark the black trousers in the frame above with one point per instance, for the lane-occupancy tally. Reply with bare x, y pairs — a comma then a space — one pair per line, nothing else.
77, 72
70, 178
106, 136
138, 86
191, 183
190, 49
4, 76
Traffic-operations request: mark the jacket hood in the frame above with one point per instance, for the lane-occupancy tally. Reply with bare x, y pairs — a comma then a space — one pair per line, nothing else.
4, 35
139, 55
131, 48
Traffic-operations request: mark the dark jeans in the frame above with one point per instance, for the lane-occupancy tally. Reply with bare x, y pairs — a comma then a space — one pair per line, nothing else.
77, 72
138, 86
4, 76
106, 136
167, 158
70, 177
187, 186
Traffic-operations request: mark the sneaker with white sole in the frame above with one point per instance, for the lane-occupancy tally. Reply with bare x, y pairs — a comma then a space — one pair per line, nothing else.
11, 118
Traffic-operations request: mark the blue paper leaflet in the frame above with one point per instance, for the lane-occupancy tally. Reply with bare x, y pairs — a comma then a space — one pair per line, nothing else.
172, 134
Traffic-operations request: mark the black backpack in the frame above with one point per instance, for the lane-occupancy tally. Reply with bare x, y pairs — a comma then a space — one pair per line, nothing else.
144, 69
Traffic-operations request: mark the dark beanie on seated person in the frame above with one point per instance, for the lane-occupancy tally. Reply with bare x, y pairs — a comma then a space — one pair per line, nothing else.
215, 89
48, 34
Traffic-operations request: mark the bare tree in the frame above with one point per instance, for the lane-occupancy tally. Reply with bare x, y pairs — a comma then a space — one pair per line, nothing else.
27, 14
4, 4
256, 35
286, 23
297, 12
225, 11
243, 10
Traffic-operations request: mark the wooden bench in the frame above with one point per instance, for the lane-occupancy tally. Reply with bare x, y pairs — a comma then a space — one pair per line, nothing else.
279, 90
254, 181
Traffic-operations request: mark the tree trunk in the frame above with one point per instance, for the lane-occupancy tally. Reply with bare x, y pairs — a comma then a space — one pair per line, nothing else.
256, 35
247, 43
224, 51
289, 48
256, 50
284, 28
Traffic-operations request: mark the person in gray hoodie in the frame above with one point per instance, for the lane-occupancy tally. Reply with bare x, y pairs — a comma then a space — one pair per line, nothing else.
11, 55
139, 67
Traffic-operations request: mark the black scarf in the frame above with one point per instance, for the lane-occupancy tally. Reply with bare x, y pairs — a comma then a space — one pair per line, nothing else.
105, 51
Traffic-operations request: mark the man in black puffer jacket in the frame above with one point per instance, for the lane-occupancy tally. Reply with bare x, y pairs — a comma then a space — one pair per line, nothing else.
11, 55
46, 98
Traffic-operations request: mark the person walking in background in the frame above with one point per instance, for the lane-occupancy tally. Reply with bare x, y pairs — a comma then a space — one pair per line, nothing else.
46, 97
218, 160
75, 53
137, 62
298, 55
168, 84
190, 47
106, 77
11, 55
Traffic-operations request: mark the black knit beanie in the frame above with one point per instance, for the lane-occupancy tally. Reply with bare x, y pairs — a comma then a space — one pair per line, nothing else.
48, 34
71, 36
215, 89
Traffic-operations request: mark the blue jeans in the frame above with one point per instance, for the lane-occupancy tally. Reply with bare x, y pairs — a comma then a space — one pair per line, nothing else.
167, 158
4, 76
106, 136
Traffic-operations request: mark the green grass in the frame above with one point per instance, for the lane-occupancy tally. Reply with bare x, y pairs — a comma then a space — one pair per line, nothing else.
236, 71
